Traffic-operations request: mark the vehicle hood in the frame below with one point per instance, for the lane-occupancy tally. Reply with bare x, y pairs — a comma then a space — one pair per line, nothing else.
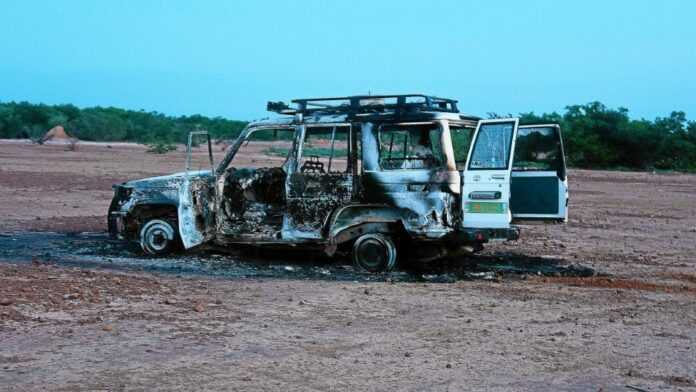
168, 181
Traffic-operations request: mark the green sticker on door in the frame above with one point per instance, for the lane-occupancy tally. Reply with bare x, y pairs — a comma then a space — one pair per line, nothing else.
486, 208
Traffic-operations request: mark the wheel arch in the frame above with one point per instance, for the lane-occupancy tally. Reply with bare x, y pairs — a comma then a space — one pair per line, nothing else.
350, 222
141, 213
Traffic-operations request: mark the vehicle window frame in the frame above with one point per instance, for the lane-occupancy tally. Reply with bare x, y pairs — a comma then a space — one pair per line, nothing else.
462, 163
508, 162
244, 137
348, 131
441, 159
561, 170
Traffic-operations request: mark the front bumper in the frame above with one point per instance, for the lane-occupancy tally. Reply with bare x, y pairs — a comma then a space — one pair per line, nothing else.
117, 227
116, 216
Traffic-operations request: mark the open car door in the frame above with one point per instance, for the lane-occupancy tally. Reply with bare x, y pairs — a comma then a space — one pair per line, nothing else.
486, 178
196, 214
539, 189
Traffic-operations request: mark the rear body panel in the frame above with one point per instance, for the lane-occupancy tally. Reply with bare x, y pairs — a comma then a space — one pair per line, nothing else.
424, 198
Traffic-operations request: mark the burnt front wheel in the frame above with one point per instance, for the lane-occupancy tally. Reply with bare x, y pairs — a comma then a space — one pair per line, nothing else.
374, 253
158, 237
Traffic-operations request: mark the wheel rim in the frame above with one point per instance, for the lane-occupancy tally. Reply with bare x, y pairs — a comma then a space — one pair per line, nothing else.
156, 236
374, 252
157, 239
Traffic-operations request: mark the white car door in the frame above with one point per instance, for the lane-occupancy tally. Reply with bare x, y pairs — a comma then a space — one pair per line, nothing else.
539, 185
486, 177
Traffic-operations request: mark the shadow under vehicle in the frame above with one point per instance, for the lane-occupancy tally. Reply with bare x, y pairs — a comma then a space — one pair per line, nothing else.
380, 177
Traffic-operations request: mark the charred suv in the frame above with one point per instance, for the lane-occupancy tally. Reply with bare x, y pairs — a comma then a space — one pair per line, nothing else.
383, 178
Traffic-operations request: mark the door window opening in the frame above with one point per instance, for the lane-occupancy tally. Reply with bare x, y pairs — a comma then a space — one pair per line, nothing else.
410, 147
325, 150
461, 142
492, 146
538, 149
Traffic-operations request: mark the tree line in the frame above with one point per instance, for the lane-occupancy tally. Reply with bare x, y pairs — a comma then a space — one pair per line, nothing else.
595, 136
26, 120
599, 137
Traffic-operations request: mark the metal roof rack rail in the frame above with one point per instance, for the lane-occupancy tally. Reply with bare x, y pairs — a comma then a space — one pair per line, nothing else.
366, 104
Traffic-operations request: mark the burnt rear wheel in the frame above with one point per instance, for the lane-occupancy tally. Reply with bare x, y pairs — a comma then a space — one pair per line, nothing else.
374, 253
158, 237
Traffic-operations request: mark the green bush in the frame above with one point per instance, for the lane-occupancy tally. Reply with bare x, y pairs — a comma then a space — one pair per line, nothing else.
160, 148
599, 137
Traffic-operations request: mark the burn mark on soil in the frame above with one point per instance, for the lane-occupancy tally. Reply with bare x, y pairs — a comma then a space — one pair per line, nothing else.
97, 251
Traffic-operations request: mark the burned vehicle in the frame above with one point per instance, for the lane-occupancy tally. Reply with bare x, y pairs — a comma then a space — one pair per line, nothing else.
383, 178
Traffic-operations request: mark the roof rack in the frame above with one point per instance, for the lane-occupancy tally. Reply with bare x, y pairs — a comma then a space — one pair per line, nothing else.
366, 104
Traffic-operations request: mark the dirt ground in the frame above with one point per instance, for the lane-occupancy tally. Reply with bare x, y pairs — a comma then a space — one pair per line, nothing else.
68, 327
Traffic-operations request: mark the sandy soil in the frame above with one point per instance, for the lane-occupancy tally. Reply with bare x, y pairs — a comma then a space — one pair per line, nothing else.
74, 329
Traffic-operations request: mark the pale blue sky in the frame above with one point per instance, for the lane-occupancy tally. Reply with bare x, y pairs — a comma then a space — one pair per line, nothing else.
229, 57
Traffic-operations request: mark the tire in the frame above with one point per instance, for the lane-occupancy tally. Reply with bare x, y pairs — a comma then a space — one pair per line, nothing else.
158, 237
374, 253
